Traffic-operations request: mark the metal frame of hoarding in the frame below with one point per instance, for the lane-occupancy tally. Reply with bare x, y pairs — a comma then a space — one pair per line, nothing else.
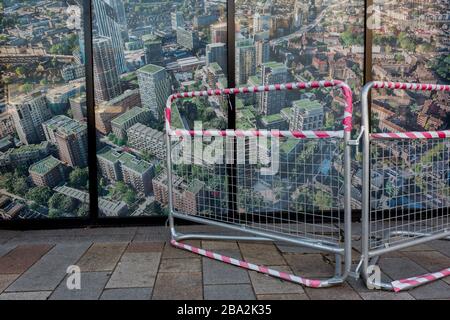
341, 253
371, 253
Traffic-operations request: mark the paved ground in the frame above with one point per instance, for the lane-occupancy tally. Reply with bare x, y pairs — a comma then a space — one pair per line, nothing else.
138, 263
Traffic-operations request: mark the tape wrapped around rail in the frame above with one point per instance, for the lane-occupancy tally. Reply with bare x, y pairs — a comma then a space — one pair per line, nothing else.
413, 134
250, 266
347, 119
409, 283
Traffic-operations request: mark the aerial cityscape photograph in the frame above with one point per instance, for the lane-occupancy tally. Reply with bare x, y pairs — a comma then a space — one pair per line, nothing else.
143, 51
224, 150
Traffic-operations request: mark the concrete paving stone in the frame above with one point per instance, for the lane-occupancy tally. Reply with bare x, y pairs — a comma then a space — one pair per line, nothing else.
5, 248
178, 286
6, 280
401, 268
219, 245
265, 284
261, 254
309, 265
48, 272
152, 234
101, 257
420, 247
22, 257
135, 270
385, 295
229, 292
36, 295
338, 292
127, 294
107, 231
285, 248
431, 260
180, 265
170, 252
92, 285
283, 296
145, 246
443, 246
434, 290
217, 272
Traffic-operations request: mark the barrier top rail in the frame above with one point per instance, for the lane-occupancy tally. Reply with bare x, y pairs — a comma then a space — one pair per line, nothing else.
410, 86
347, 121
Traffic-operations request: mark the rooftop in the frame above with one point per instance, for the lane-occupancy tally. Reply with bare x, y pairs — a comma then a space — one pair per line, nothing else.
151, 68
274, 65
289, 145
65, 125
126, 159
45, 165
147, 131
124, 117
307, 105
195, 186
29, 148
272, 118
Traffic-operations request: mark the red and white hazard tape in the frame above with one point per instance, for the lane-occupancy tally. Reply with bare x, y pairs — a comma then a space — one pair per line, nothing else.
251, 266
411, 135
410, 283
411, 86
347, 121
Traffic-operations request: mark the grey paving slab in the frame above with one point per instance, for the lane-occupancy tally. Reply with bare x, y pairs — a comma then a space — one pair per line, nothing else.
135, 270
180, 265
284, 248
261, 254
217, 272
147, 246
171, 252
5, 248
386, 295
229, 292
420, 247
36, 295
22, 257
310, 265
443, 246
431, 260
152, 234
48, 272
6, 280
265, 284
283, 296
219, 245
178, 286
127, 294
101, 257
92, 285
400, 268
340, 292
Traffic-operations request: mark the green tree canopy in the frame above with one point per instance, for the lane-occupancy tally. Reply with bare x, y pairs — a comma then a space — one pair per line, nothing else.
79, 178
40, 195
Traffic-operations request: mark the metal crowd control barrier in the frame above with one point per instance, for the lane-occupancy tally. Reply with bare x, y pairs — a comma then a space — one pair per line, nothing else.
406, 190
303, 203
